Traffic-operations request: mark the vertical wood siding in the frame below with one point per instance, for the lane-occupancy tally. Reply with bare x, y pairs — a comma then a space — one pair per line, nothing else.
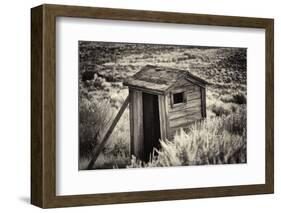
203, 102
136, 123
162, 116
187, 113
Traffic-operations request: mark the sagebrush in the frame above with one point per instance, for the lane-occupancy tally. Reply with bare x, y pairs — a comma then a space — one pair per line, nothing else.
218, 140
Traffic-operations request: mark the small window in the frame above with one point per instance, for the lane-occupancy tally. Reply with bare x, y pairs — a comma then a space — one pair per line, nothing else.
178, 97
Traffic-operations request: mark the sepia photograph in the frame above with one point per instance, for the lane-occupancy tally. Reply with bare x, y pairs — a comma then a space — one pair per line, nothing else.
161, 105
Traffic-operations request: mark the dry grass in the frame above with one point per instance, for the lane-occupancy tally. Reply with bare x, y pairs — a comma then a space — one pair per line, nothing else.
218, 140
94, 118
94, 121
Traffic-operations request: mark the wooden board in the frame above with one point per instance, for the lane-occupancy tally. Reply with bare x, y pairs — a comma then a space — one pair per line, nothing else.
162, 116
183, 113
185, 119
196, 104
192, 96
136, 123
203, 102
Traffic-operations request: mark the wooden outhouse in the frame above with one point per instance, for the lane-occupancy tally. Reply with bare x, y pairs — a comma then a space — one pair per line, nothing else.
162, 100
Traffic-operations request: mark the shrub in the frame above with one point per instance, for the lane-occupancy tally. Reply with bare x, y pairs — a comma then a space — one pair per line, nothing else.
208, 142
238, 98
94, 117
226, 98
190, 55
236, 123
88, 75
220, 109
118, 85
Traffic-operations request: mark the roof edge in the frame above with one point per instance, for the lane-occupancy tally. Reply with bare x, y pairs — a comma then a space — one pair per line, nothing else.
147, 90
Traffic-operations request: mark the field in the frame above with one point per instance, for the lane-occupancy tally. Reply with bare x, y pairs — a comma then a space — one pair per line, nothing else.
219, 139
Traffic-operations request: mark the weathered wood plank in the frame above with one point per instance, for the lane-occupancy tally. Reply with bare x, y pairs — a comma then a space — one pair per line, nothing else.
193, 103
184, 112
187, 87
203, 102
193, 95
146, 90
185, 120
166, 114
168, 101
162, 116
182, 83
196, 103
108, 133
136, 120
131, 118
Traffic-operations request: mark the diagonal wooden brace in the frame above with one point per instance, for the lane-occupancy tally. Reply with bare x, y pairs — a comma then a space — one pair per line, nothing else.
98, 150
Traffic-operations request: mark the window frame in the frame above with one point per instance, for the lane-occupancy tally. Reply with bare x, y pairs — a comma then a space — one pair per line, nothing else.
173, 104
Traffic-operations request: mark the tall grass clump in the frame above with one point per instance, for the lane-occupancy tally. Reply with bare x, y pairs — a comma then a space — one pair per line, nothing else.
218, 140
94, 117
114, 156
116, 153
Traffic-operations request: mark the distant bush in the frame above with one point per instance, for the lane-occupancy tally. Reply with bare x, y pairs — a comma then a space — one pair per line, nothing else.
88, 75
238, 98
220, 140
190, 55
112, 77
182, 58
106, 85
98, 83
220, 110
118, 85
226, 98
227, 80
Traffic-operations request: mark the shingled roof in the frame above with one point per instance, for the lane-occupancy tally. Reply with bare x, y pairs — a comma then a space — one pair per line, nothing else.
160, 79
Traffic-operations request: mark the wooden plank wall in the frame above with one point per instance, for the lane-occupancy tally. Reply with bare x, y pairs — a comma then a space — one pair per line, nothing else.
136, 123
185, 114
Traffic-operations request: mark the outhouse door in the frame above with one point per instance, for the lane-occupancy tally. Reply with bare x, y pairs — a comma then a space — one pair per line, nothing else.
151, 124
